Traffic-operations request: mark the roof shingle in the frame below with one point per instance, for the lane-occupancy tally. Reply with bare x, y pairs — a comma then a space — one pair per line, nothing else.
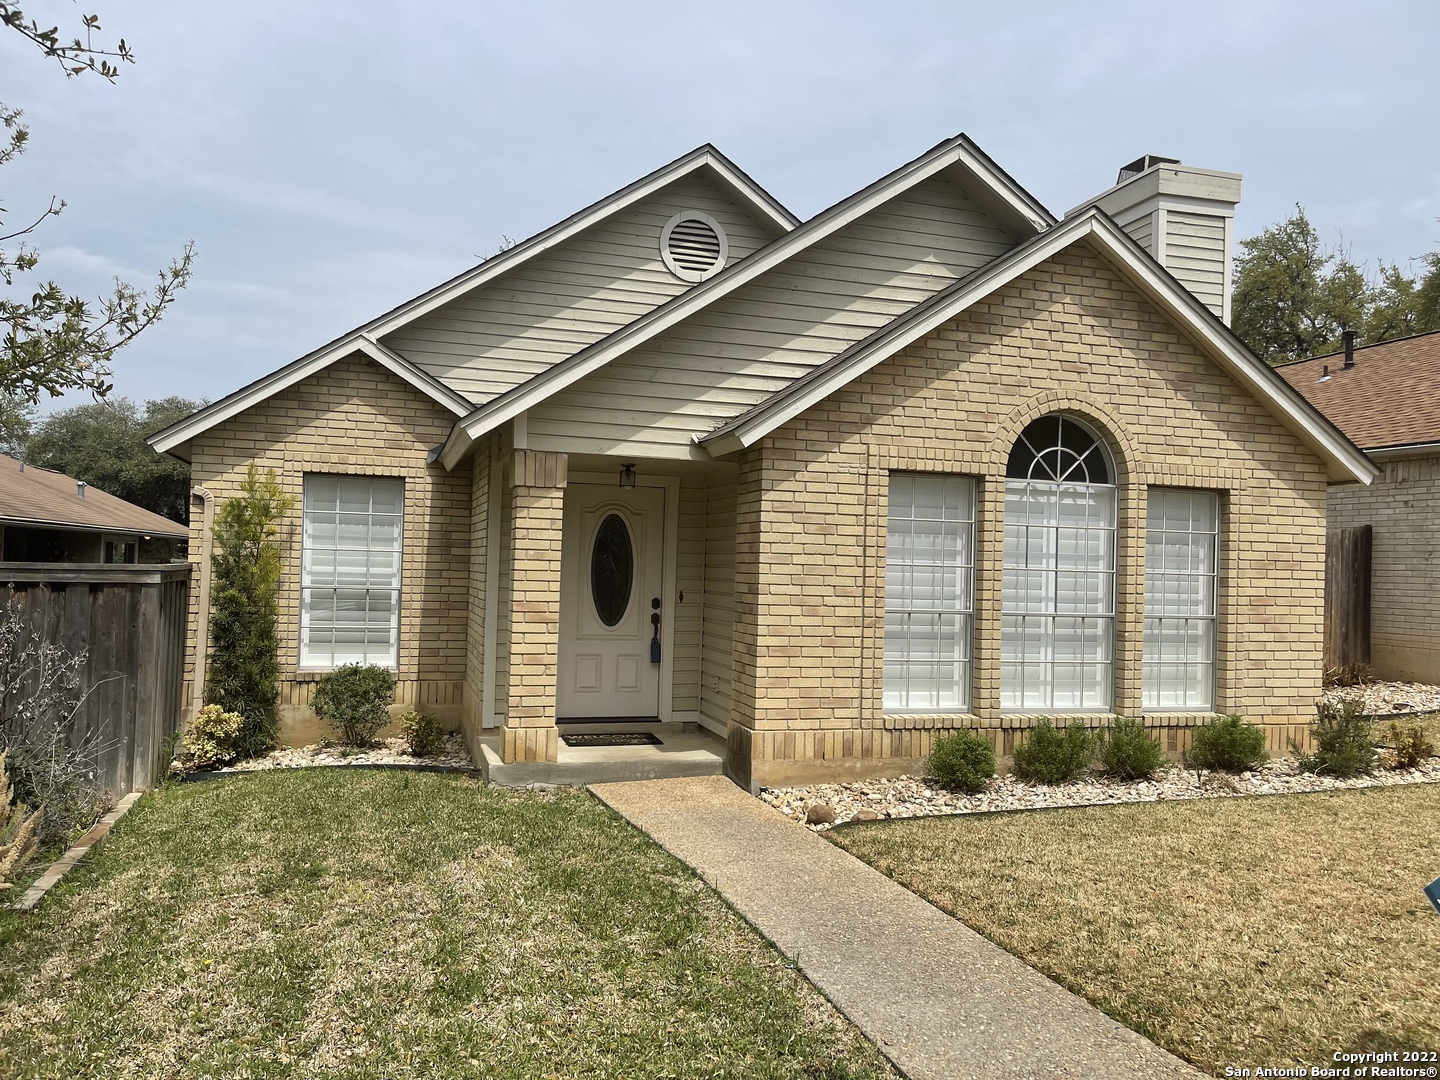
34, 496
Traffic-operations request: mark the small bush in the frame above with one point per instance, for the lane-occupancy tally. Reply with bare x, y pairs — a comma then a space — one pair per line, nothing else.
1349, 675
353, 699
1344, 741
18, 830
1411, 745
961, 761
1226, 744
1053, 755
423, 735
214, 739
1128, 751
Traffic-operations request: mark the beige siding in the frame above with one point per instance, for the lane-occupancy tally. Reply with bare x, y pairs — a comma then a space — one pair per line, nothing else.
1403, 506
716, 658
687, 613
500, 334
752, 343
1142, 229
1195, 254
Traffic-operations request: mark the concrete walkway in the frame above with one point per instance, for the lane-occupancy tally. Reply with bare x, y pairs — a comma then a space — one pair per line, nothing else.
941, 1001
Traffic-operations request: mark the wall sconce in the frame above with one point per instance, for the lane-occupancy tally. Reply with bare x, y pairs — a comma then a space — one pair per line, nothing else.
627, 476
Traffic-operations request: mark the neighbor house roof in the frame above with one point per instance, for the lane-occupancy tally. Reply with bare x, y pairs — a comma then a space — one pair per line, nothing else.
1389, 399
41, 498
1000, 190
172, 439
1344, 459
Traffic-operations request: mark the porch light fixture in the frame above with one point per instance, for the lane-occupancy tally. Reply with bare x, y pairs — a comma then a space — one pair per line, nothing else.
627, 475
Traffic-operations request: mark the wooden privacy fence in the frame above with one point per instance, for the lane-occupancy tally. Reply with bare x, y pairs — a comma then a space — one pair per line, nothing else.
130, 621
1347, 597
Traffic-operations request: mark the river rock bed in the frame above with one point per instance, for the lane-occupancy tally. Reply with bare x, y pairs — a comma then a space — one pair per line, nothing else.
385, 752
910, 796
1391, 698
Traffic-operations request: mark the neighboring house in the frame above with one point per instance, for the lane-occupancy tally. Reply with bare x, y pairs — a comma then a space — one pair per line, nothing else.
931, 459
49, 517
1386, 397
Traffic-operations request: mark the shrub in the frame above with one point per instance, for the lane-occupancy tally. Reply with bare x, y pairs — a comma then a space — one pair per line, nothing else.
1226, 744
1053, 755
353, 699
961, 761
424, 735
214, 738
1344, 740
17, 830
1128, 751
1356, 674
1411, 745
244, 671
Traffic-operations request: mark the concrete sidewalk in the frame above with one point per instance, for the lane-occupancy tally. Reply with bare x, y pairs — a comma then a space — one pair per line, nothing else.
941, 1001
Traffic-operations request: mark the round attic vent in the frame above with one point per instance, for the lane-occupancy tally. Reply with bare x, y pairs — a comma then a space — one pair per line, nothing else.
694, 246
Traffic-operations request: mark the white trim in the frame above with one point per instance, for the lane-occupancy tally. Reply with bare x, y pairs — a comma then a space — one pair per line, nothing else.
1229, 266
705, 156
222, 410
957, 151
1346, 460
668, 257
665, 707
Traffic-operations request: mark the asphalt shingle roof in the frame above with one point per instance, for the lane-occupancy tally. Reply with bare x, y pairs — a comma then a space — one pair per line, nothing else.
40, 497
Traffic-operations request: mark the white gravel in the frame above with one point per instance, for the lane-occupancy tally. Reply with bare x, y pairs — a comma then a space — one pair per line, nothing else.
387, 752
909, 796
1389, 698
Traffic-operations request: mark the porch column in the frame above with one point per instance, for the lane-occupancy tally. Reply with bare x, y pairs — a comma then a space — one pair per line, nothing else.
537, 497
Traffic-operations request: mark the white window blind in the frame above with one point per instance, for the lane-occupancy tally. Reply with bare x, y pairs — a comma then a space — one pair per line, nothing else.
930, 559
1181, 542
350, 578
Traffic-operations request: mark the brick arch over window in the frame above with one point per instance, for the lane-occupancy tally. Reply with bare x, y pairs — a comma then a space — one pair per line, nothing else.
1095, 415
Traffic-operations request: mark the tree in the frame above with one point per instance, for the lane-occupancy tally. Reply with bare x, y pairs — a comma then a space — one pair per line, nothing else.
244, 665
52, 341
17, 421
104, 444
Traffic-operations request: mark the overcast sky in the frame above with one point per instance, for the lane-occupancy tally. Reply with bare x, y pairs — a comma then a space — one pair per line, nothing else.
332, 160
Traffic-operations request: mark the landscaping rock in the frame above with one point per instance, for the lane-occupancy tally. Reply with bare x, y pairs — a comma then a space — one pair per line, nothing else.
865, 815
385, 752
1390, 698
820, 813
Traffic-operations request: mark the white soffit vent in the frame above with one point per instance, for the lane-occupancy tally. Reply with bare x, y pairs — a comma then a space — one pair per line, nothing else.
693, 246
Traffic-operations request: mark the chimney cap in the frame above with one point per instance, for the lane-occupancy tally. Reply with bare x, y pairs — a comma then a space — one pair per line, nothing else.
80, 488
1143, 164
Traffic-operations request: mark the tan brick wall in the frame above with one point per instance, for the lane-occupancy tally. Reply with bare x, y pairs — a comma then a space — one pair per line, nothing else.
481, 537
355, 417
1069, 336
1403, 506
533, 568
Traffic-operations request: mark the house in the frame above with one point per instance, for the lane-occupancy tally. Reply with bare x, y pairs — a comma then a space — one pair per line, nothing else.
1384, 398
48, 517
930, 459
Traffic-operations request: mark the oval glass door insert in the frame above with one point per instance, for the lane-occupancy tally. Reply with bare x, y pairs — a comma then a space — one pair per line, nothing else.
612, 570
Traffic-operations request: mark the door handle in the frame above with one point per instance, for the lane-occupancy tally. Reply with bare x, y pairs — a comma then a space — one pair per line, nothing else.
655, 634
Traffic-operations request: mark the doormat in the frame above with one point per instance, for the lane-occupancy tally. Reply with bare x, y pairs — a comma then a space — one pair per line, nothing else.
612, 738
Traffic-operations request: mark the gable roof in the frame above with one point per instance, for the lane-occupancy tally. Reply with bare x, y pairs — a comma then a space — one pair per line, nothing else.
1390, 398
171, 440
706, 157
1026, 216
1345, 461
42, 498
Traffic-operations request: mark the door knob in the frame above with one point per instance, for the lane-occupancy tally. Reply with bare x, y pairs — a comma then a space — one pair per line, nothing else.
655, 603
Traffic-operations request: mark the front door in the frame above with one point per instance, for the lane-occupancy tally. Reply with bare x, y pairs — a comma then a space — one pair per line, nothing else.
612, 560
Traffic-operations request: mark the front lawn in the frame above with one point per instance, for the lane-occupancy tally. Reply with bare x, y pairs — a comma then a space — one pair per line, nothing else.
380, 924
1236, 933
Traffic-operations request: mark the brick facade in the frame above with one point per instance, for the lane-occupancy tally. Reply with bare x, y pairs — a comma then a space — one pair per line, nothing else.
1069, 336
354, 417
1403, 505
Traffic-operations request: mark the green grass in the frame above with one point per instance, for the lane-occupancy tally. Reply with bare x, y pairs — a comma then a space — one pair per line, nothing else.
381, 924
1234, 932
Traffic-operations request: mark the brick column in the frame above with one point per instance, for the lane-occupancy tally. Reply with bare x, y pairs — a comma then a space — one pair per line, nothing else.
537, 505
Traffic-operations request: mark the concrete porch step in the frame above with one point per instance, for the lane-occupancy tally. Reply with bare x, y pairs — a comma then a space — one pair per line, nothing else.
681, 753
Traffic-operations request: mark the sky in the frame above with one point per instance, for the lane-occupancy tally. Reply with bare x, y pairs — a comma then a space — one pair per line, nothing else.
333, 160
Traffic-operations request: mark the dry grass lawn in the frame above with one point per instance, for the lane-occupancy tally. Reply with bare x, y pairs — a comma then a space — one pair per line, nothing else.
363, 924
1234, 932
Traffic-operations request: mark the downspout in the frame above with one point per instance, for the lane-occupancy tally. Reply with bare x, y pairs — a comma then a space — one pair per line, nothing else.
202, 628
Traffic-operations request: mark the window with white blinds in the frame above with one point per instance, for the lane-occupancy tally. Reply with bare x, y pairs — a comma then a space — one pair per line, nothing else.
350, 577
930, 560
1181, 549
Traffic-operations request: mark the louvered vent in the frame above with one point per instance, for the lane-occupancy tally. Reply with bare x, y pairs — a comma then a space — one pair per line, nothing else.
694, 246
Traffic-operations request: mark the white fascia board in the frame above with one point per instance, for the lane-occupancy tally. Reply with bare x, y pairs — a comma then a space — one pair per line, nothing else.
706, 157
1284, 402
527, 395
218, 412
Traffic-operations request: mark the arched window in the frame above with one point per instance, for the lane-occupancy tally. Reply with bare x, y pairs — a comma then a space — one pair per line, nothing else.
1057, 643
